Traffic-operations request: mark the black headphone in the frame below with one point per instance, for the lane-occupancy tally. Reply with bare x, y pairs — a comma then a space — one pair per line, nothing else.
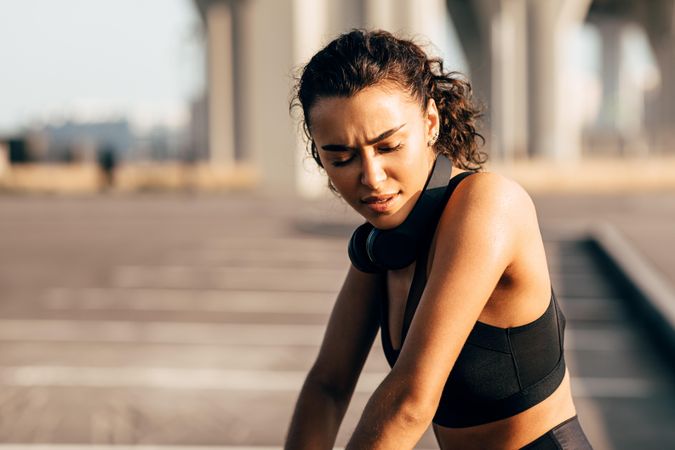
373, 250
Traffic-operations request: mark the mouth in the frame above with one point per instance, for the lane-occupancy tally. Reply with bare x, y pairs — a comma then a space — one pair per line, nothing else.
380, 203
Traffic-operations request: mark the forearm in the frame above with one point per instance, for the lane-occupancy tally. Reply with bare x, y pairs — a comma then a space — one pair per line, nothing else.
316, 418
389, 421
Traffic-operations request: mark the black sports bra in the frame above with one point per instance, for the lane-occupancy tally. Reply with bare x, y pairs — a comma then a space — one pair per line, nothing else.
499, 372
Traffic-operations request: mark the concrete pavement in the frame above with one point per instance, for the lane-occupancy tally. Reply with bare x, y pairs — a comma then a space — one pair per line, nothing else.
144, 319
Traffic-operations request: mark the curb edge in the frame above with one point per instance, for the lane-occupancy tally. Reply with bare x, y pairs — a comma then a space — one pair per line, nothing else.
652, 295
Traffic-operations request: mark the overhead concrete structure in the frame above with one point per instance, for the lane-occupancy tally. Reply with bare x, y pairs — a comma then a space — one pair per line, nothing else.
509, 83
220, 79
516, 51
554, 131
657, 19
255, 55
426, 21
518, 56
254, 49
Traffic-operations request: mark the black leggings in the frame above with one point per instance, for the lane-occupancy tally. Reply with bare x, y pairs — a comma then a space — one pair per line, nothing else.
566, 436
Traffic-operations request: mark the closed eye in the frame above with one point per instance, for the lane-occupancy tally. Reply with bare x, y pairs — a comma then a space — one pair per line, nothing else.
386, 149
341, 162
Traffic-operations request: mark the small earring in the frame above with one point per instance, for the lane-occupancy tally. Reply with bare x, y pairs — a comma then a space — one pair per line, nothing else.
433, 139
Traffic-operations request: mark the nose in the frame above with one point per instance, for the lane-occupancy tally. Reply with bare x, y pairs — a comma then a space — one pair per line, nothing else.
372, 171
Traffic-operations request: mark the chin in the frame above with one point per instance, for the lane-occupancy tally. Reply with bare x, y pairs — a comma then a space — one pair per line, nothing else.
384, 221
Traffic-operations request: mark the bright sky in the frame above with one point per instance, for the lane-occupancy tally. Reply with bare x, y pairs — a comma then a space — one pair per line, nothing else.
93, 59
140, 59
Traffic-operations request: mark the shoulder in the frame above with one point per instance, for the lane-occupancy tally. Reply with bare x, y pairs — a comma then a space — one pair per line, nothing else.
489, 192
490, 186
487, 204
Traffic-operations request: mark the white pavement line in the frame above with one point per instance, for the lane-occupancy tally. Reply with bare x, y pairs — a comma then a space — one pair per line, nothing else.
597, 300
167, 378
602, 387
211, 300
140, 447
253, 334
160, 332
129, 447
270, 278
264, 255
597, 340
255, 380
296, 244
589, 409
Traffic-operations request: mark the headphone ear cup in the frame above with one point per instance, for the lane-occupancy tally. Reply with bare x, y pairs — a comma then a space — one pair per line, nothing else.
358, 252
393, 249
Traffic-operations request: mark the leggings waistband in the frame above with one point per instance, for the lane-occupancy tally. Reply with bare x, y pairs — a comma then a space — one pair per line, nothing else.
567, 435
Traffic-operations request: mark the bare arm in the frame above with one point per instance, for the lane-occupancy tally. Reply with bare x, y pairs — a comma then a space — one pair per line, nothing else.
329, 386
477, 239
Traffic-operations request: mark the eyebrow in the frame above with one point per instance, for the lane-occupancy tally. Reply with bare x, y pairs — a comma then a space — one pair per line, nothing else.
343, 148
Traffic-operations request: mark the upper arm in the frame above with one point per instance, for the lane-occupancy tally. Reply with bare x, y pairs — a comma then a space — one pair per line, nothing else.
477, 239
349, 334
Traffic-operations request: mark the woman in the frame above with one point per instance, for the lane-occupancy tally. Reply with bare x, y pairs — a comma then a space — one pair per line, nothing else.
455, 275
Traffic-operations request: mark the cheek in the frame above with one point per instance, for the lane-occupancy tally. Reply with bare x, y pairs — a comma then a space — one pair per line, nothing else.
415, 169
341, 178
417, 156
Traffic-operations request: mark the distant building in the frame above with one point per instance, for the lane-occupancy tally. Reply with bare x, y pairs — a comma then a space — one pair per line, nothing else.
19, 149
73, 141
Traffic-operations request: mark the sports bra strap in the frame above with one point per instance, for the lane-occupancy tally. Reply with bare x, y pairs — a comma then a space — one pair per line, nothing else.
419, 280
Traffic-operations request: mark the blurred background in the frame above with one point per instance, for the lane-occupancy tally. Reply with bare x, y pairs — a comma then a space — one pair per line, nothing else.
169, 254
569, 88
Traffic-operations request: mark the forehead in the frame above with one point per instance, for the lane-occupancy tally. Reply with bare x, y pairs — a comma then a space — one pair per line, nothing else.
367, 113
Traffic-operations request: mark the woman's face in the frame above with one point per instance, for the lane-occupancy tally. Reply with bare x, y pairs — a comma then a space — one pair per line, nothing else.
374, 149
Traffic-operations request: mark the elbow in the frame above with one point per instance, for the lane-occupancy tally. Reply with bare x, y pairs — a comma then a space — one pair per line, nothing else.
413, 408
327, 387
417, 412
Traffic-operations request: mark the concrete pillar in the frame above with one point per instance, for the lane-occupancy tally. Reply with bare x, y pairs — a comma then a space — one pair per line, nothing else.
494, 36
473, 22
543, 59
312, 31
220, 79
427, 19
611, 36
664, 101
659, 24
379, 14
423, 20
570, 119
340, 16
555, 134
621, 119
241, 19
265, 44
508, 109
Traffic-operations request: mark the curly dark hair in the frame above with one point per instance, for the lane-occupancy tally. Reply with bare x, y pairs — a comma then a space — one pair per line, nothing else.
361, 58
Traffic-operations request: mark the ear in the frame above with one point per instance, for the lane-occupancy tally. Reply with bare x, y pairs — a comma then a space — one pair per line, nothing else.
432, 119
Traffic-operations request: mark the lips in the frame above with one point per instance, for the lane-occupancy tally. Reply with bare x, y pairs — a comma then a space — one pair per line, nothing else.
380, 203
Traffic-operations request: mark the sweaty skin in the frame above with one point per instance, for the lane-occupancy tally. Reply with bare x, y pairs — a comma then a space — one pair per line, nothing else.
515, 301
487, 251
373, 146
